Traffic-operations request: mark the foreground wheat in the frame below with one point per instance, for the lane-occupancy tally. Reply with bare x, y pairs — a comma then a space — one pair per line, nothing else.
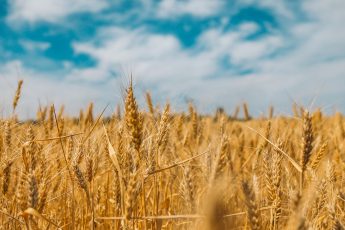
165, 170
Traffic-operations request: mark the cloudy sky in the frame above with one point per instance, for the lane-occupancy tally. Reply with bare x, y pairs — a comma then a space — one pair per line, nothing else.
213, 52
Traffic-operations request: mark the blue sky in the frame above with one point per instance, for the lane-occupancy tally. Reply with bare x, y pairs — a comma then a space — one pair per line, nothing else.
214, 52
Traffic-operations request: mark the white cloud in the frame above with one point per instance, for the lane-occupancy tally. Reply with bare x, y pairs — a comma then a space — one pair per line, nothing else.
32, 11
232, 44
197, 8
33, 46
279, 8
245, 52
158, 57
146, 52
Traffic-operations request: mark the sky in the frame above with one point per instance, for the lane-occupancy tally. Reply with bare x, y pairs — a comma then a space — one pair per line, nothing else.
215, 53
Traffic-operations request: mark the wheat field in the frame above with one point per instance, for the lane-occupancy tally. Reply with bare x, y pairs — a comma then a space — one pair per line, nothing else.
151, 168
